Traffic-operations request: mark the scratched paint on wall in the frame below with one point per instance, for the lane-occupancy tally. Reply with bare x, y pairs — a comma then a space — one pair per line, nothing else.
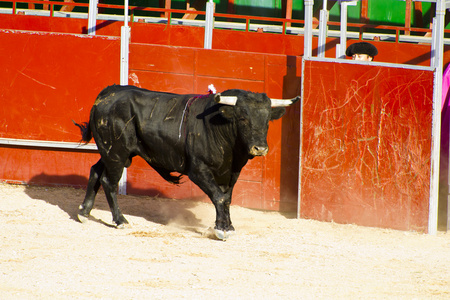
366, 145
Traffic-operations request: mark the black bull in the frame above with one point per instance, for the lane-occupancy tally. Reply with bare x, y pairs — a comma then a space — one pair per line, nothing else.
209, 138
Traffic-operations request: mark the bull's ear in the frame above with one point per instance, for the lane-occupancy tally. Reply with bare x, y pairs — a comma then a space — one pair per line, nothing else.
277, 112
227, 112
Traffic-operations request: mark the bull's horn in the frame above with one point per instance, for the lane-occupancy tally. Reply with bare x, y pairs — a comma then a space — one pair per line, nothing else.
227, 100
284, 102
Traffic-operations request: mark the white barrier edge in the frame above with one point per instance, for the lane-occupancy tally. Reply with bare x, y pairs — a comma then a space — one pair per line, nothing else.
47, 144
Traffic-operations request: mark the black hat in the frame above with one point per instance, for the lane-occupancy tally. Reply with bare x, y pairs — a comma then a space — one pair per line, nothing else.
361, 48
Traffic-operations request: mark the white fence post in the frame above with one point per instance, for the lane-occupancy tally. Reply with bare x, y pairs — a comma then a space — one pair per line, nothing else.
437, 50
92, 16
209, 24
124, 54
342, 46
307, 52
323, 28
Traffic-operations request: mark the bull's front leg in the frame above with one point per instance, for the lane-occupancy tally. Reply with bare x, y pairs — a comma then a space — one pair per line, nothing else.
204, 179
223, 228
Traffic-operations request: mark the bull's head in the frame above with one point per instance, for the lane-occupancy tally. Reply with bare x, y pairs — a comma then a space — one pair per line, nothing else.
252, 113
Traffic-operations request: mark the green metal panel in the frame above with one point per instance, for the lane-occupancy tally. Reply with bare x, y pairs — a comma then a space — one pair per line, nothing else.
390, 12
267, 8
259, 3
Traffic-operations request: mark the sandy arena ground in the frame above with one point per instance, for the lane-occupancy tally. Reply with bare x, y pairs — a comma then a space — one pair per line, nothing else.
167, 253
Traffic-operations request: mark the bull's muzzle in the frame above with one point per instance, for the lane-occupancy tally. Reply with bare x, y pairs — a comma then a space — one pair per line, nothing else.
259, 150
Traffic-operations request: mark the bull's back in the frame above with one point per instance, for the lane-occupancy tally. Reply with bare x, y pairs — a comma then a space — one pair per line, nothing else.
118, 102
148, 123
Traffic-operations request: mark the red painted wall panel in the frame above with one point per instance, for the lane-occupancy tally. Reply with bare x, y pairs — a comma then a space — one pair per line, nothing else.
46, 167
162, 59
230, 64
49, 79
169, 69
190, 36
366, 145
161, 34
223, 84
172, 82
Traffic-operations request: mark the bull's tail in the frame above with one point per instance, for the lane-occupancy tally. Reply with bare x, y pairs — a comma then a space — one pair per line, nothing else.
85, 129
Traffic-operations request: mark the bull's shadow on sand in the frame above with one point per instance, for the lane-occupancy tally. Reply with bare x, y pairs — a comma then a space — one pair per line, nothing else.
154, 209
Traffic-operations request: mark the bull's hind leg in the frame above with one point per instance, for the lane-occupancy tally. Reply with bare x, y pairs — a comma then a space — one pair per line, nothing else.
91, 191
110, 181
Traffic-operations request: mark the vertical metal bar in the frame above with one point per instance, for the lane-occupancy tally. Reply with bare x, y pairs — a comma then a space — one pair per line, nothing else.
167, 5
308, 28
307, 53
124, 47
437, 59
408, 17
433, 42
209, 24
364, 11
299, 189
124, 54
340, 51
125, 13
342, 46
92, 16
288, 12
323, 30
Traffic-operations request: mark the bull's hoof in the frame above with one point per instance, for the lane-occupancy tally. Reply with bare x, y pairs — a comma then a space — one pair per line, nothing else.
82, 218
122, 223
82, 214
123, 226
222, 234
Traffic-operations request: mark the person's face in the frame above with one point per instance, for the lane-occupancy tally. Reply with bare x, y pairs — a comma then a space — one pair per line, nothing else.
363, 57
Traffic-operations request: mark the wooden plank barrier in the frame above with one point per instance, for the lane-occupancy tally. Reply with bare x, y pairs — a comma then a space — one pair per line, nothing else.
366, 145
50, 79
191, 70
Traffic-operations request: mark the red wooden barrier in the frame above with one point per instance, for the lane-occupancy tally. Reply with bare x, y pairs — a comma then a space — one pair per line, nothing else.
44, 89
366, 145
190, 36
50, 79
187, 70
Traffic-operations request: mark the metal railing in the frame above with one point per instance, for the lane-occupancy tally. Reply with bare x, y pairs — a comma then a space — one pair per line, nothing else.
224, 21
